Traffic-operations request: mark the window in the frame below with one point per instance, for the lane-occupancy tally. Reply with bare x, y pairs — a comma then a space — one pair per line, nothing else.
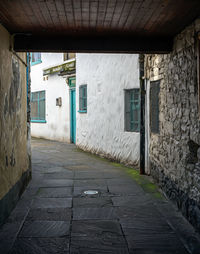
35, 58
83, 98
38, 106
67, 56
132, 110
154, 106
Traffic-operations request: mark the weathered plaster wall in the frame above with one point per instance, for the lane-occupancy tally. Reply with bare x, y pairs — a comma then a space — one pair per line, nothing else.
57, 126
14, 157
101, 129
173, 152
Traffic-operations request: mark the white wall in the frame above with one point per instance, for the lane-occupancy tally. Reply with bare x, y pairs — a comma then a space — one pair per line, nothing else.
57, 125
101, 129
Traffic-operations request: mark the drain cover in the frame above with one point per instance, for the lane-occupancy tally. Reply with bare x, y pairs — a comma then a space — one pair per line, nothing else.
90, 192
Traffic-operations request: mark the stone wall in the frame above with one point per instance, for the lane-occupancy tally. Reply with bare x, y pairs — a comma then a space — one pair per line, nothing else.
173, 152
14, 156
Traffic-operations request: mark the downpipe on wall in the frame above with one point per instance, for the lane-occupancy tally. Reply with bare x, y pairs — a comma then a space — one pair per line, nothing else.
142, 114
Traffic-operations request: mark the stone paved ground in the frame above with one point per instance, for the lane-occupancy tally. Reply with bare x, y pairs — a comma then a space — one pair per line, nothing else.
128, 215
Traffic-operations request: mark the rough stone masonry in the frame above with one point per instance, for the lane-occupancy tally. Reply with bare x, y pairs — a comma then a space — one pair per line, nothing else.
174, 151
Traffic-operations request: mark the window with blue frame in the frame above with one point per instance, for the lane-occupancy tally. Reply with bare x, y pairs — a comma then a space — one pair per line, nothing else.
132, 110
38, 106
83, 98
35, 58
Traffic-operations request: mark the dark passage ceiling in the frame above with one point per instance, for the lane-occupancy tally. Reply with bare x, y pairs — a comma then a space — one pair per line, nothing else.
97, 25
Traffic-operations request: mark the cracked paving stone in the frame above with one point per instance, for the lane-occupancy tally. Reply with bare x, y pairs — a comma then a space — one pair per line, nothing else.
59, 192
92, 202
47, 229
52, 203
41, 246
106, 213
49, 214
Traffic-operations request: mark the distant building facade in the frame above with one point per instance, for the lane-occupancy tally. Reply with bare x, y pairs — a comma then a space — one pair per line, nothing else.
108, 106
52, 82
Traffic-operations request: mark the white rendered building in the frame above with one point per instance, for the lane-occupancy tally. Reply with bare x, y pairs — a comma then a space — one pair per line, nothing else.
108, 105
51, 75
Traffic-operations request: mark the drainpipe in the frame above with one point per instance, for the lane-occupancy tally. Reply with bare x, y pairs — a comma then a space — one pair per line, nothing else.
142, 115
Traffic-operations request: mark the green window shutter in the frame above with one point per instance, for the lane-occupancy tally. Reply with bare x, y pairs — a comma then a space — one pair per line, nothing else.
83, 97
154, 106
132, 110
80, 97
127, 111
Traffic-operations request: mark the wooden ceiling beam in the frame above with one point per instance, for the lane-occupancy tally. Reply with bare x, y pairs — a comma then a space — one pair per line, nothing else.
99, 44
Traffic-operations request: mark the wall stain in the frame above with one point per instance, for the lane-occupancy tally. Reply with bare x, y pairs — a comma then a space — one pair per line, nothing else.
14, 88
12, 159
6, 161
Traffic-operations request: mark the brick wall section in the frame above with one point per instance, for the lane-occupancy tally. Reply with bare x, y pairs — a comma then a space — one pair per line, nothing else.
173, 152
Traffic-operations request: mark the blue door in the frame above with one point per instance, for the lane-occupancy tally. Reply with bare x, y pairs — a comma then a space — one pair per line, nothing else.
73, 115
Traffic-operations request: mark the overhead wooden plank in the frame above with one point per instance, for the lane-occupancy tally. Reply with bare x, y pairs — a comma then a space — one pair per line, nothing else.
109, 44
146, 18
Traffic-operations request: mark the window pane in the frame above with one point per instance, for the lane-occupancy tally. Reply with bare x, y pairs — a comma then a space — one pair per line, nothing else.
34, 110
42, 110
42, 95
36, 57
132, 110
38, 105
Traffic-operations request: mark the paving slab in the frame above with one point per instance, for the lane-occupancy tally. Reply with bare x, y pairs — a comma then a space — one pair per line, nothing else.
133, 200
96, 228
57, 183
92, 202
59, 175
100, 245
49, 214
54, 192
41, 246
89, 175
52, 203
106, 213
90, 182
41, 229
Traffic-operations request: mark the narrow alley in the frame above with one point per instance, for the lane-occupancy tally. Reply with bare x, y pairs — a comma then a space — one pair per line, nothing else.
126, 214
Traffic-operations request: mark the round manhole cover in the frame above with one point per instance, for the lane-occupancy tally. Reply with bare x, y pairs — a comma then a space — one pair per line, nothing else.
90, 192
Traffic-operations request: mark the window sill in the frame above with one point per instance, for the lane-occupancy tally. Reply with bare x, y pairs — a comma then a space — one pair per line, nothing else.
37, 62
82, 111
38, 121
